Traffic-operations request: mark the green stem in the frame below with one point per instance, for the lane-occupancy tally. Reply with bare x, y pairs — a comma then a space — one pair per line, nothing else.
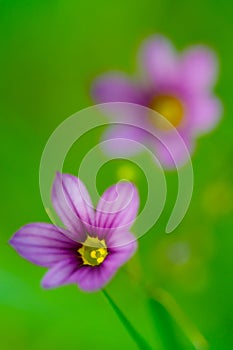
141, 343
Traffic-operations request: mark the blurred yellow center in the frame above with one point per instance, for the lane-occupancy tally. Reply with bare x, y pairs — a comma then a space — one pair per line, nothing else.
170, 108
93, 251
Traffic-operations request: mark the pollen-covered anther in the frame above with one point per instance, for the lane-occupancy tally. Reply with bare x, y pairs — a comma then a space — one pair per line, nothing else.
170, 107
93, 251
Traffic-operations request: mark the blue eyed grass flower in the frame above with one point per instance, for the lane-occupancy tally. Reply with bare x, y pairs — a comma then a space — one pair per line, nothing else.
94, 244
178, 86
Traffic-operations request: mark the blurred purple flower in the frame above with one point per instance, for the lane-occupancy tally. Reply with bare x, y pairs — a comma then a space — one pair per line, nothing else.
94, 244
176, 86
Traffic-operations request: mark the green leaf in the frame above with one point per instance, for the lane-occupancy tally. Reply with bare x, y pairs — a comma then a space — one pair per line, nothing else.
165, 325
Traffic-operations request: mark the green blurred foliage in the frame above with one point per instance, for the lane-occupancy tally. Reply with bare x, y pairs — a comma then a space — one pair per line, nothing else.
50, 52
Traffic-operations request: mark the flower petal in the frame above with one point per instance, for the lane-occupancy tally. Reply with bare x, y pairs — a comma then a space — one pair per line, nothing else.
117, 208
123, 141
73, 205
60, 273
121, 254
198, 68
158, 59
120, 239
43, 244
91, 279
172, 152
116, 87
205, 113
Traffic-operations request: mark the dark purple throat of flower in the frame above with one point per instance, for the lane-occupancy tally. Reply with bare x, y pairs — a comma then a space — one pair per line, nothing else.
170, 107
93, 251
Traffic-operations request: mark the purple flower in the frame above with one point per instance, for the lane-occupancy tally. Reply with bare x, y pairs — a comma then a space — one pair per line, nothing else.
176, 86
94, 244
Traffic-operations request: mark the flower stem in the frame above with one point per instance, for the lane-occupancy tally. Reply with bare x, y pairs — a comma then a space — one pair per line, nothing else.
141, 342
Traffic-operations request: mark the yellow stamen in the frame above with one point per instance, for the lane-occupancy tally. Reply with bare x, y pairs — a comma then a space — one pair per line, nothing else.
93, 254
93, 251
170, 108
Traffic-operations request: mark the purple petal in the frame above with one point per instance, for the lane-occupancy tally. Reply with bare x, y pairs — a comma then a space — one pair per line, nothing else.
158, 59
60, 273
198, 68
91, 279
123, 141
73, 205
172, 152
121, 254
117, 208
116, 87
205, 113
120, 239
43, 244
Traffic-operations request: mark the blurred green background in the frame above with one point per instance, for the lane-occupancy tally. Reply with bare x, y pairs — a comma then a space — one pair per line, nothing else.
50, 52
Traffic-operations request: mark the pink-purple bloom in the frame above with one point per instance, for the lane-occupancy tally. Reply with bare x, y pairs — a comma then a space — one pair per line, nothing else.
94, 244
178, 86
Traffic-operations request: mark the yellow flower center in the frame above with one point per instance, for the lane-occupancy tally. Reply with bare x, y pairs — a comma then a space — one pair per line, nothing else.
93, 251
170, 108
